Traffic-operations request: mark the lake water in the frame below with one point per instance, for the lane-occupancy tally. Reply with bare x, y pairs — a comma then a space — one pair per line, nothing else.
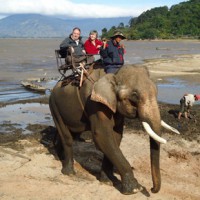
21, 115
30, 58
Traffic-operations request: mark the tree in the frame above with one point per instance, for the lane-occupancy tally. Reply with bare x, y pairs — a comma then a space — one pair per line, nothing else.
162, 22
121, 25
104, 31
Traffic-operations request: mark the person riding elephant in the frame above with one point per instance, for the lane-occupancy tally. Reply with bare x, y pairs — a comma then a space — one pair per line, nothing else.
75, 42
112, 53
92, 45
72, 49
100, 106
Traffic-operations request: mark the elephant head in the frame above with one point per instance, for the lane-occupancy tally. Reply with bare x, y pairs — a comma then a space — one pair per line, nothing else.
132, 93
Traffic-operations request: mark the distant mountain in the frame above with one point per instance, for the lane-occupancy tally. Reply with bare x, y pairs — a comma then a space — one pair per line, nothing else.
34, 25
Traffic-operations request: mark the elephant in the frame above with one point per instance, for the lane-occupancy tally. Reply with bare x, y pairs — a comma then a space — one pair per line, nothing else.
100, 105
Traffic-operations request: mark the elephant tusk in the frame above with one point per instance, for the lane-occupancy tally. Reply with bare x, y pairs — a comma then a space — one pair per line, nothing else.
152, 133
165, 125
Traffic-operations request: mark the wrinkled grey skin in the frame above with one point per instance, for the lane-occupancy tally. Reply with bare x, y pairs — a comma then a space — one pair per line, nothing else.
128, 93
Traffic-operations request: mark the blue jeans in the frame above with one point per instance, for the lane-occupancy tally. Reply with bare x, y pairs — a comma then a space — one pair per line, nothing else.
112, 68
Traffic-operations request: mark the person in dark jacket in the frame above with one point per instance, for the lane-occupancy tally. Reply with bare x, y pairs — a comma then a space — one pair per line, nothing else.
112, 53
74, 41
73, 46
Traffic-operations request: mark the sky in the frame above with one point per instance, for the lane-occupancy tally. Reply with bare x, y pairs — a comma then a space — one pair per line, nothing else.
82, 8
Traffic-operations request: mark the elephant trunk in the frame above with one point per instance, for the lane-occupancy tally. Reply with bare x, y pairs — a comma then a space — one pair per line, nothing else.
155, 155
155, 165
150, 115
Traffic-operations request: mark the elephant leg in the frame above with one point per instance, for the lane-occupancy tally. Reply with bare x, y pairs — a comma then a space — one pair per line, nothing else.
106, 174
136, 185
68, 162
109, 146
67, 141
107, 170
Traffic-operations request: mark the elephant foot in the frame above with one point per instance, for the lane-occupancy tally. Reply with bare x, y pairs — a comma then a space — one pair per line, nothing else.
130, 186
104, 178
67, 171
139, 189
68, 167
108, 182
130, 190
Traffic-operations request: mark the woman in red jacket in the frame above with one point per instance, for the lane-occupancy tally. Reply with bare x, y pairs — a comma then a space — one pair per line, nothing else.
92, 44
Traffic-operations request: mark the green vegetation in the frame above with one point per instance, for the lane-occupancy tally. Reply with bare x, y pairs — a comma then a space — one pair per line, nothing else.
180, 21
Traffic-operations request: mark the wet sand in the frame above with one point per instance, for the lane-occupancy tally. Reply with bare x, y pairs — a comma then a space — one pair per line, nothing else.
182, 66
30, 168
175, 76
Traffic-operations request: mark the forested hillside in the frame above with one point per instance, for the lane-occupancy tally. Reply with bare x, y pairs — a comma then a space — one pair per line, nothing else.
179, 21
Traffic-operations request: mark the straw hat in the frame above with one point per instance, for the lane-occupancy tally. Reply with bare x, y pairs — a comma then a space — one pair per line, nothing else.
118, 34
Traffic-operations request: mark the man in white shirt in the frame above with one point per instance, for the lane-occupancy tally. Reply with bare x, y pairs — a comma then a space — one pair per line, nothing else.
186, 102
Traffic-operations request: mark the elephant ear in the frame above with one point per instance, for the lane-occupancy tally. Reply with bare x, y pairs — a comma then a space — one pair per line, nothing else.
104, 91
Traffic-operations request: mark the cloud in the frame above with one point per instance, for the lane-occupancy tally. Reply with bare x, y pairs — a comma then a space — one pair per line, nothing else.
66, 8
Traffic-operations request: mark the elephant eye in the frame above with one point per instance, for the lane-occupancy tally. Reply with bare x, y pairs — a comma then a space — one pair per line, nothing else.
134, 97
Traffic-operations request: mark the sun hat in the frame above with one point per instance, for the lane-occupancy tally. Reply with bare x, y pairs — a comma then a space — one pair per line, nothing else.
197, 96
118, 33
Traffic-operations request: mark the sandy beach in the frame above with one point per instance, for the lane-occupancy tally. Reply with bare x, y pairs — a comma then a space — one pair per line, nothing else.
30, 168
182, 66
